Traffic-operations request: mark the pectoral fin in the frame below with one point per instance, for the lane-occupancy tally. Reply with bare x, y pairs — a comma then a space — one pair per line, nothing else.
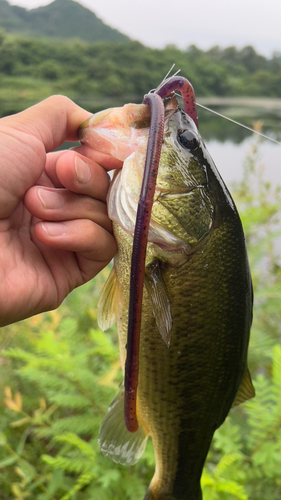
246, 390
159, 299
115, 441
107, 304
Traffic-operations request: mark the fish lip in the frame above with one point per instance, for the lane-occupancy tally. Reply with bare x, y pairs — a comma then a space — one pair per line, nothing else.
93, 119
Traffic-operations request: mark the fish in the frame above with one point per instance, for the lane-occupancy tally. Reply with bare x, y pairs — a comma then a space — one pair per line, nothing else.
197, 298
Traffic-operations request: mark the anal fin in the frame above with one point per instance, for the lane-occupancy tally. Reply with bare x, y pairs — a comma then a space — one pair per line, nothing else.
246, 390
115, 441
107, 304
159, 299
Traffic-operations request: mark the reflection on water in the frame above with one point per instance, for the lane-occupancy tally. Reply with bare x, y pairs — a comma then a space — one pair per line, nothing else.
215, 127
229, 144
230, 157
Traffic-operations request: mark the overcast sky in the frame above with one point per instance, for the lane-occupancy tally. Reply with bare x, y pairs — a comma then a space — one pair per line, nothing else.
205, 23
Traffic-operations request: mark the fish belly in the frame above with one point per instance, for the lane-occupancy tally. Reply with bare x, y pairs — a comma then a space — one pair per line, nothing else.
185, 391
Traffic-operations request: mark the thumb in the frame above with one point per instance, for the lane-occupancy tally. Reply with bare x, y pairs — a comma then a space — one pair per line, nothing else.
26, 137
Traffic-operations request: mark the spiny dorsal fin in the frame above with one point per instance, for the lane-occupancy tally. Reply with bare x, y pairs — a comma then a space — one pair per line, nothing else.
159, 299
115, 441
246, 390
107, 305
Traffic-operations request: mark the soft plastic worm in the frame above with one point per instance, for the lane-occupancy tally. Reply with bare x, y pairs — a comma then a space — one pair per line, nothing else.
154, 100
154, 146
184, 86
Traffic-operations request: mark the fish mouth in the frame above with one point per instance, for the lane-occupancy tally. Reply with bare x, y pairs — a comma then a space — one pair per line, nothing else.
121, 131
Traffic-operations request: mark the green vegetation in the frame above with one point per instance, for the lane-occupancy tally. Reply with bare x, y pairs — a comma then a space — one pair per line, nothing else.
58, 374
103, 74
60, 19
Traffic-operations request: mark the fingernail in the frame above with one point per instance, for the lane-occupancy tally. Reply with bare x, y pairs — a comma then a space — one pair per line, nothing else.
83, 172
51, 199
54, 228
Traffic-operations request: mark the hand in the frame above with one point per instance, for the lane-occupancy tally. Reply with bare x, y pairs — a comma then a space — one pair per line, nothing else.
54, 230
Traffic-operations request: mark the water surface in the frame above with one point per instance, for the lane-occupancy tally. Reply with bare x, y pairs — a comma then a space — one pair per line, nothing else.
230, 144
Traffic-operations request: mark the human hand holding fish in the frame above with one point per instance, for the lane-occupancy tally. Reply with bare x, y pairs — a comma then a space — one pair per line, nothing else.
54, 230
192, 336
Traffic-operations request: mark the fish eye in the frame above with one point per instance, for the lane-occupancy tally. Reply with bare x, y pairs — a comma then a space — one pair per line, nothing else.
187, 139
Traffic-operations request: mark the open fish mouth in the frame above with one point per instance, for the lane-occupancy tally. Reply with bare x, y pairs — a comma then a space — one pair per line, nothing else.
123, 133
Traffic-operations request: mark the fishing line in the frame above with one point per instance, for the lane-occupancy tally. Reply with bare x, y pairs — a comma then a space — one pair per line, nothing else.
238, 123
167, 78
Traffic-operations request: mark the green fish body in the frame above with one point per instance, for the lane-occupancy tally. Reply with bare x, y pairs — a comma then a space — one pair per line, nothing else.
197, 302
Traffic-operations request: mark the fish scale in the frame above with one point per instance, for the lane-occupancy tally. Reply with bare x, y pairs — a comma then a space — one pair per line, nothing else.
196, 309
176, 398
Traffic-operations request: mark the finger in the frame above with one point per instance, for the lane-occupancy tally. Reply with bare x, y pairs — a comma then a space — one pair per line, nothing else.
61, 205
50, 168
87, 154
105, 160
80, 236
78, 174
52, 121
24, 140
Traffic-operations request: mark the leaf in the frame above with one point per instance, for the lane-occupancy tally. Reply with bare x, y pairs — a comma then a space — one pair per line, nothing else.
225, 462
3, 439
18, 400
8, 392
77, 442
276, 368
8, 461
11, 404
22, 421
111, 476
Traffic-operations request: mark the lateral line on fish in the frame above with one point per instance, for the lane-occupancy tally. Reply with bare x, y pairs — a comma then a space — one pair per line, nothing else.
238, 123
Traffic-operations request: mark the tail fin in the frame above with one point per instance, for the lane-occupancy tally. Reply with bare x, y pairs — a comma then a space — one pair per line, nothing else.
115, 441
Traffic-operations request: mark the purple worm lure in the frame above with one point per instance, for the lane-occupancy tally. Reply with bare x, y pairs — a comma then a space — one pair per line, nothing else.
184, 86
154, 146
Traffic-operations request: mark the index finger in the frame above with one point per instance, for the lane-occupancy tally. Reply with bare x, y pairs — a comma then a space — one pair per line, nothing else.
26, 137
52, 121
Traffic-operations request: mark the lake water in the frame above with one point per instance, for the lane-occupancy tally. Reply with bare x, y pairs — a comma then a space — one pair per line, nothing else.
229, 144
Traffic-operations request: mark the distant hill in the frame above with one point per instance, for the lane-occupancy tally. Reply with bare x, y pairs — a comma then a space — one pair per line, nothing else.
60, 19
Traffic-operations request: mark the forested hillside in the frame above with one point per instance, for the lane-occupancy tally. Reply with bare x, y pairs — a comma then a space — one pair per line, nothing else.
102, 73
59, 19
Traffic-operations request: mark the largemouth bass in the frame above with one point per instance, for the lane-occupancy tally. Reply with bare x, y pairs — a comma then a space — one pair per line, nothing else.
197, 302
